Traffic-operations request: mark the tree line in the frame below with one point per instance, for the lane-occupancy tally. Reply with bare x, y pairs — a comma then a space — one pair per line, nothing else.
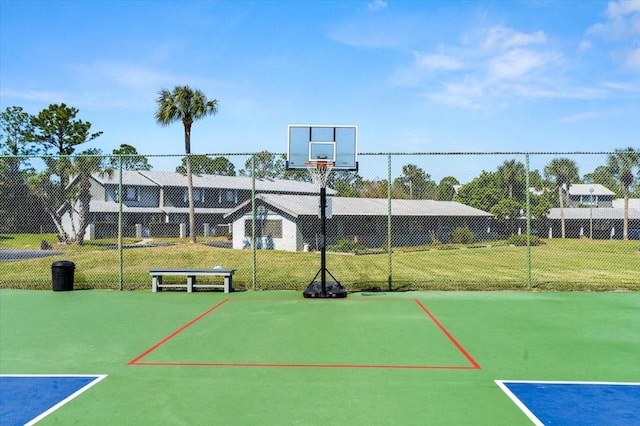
63, 186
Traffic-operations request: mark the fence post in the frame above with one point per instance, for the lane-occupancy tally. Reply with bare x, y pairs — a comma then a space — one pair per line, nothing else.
389, 222
528, 198
120, 224
253, 222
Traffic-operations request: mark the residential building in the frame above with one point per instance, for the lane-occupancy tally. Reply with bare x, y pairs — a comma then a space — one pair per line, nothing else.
288, 222
593, 212
152, 199
590, 195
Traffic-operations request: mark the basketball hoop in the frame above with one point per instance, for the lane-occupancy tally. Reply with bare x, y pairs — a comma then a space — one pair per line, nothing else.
319, 171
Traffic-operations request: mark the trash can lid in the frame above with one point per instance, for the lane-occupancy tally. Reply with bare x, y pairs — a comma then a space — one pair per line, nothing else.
63, 263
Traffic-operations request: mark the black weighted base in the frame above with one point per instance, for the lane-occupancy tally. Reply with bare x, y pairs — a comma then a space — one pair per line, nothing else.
333, 289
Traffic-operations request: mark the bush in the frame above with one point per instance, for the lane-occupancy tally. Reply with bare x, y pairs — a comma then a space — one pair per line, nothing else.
462, 235
521, 240
344, 245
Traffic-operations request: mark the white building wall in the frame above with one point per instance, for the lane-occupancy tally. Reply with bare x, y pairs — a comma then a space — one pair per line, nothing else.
291, 239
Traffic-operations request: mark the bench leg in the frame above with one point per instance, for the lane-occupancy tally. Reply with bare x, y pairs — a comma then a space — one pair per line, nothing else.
191, 280
228, 287
156, 283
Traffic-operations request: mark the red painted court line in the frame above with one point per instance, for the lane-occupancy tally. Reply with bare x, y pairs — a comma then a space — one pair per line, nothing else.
137, 359
271, 365
449, 335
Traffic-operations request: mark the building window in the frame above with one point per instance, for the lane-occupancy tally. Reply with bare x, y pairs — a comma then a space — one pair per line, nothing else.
264, 228
198, 195
228, 196
131, 193
589, 200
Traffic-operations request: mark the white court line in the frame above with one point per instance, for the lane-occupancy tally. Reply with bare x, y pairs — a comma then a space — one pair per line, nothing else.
527, 412
98, 378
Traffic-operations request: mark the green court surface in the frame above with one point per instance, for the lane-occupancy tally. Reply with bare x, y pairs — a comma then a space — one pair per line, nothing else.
274, 358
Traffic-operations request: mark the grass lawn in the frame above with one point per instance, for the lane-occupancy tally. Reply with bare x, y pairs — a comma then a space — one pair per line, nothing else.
559, 264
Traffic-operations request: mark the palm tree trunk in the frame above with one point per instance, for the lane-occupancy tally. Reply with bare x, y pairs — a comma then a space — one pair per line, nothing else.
561, 209
625, 220
192, 211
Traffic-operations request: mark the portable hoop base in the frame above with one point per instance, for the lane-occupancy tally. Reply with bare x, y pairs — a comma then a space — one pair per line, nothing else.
333, 290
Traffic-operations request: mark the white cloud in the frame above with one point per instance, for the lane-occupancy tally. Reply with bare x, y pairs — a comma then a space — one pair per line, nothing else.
490, 71
438, 62
620, 32
620, 8
466, 94
575, 118
105, 84
377, 5
623, 21
506, 38
41, 96
632, 59
584, 46
630, 87
133, 77
516, 63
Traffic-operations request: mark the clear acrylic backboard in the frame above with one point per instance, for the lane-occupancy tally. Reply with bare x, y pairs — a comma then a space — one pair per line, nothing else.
322, 142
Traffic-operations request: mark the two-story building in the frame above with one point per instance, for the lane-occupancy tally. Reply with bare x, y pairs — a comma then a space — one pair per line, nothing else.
152, 198
592, 212
589, 195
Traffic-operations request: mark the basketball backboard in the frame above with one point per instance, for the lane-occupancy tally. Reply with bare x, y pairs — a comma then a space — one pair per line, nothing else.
321, 142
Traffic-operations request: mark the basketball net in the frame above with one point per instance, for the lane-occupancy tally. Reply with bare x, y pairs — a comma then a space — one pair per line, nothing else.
319, 171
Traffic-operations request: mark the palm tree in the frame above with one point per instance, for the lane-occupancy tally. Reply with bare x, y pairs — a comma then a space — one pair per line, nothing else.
187, 105
510, 171
565, 172
621, 165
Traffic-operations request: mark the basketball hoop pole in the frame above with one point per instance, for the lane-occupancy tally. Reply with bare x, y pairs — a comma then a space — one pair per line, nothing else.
319, 171
323, 240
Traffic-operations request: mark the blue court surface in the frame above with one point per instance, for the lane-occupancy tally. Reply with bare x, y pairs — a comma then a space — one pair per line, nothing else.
26, 399
576, 403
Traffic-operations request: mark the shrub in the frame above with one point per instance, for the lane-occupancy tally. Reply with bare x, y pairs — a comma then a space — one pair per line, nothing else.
344, 245
462, 235
521, 240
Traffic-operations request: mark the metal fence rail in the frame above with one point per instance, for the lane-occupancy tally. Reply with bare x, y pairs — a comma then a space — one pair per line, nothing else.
515, 220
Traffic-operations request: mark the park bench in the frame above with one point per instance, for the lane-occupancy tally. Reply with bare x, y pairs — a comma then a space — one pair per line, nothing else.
191, 274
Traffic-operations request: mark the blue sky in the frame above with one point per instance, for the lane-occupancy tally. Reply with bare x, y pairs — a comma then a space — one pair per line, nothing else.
415, 76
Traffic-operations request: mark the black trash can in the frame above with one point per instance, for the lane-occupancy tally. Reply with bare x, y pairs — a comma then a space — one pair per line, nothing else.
62, 275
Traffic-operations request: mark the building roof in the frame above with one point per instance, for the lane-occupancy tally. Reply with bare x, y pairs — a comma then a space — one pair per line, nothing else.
634, 203
585, 189
307, 205
129, 177
173, 179
603, 213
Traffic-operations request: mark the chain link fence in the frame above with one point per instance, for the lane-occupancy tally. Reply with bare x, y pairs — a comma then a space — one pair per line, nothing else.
564, 221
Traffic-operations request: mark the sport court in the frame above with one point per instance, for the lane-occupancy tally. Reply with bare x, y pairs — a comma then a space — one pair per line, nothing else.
276, 358
330, 335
